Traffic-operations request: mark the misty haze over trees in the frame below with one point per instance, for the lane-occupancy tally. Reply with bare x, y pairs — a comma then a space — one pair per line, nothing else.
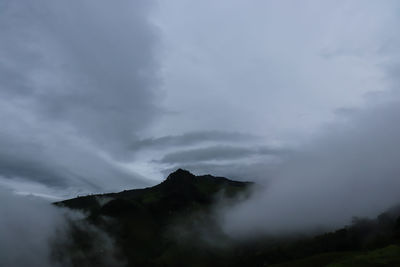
296, 103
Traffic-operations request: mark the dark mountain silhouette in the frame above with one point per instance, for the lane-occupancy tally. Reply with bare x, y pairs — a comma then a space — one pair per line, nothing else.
180, 191
174, 224
153, 226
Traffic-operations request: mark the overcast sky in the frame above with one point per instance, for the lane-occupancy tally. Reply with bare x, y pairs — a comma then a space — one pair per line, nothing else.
101, 96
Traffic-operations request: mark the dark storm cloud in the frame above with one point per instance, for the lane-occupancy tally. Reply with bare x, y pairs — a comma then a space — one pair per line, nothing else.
219, 152
192, 138
78, 79
17, 159
35, 171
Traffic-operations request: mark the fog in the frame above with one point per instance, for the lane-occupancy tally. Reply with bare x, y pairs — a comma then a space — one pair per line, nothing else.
27, 225
350, 168
35, 232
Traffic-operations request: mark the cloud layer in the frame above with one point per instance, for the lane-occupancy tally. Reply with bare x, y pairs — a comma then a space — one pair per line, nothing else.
278, 70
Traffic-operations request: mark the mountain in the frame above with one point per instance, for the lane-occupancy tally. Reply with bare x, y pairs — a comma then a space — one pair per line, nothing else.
154, 226
174, 224
179, 193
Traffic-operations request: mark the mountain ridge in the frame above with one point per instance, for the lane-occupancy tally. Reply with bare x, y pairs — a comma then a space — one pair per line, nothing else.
181, 183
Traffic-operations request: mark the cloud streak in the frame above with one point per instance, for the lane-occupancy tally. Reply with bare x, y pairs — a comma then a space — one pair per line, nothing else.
192, 138
218, 152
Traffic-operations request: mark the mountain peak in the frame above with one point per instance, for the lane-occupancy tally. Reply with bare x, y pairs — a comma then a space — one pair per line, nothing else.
180, 174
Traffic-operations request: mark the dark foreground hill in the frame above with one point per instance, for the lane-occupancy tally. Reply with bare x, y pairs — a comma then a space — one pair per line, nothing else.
174, 224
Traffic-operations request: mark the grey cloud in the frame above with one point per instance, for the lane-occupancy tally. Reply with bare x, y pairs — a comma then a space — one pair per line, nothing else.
281, 72
192, 138
219, 152
78, 80
89, 64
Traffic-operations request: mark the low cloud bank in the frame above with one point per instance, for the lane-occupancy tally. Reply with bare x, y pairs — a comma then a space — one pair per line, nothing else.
27, 224
36, 233
351, 169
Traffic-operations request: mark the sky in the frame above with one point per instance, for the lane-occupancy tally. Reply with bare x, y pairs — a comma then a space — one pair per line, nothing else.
99, 96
